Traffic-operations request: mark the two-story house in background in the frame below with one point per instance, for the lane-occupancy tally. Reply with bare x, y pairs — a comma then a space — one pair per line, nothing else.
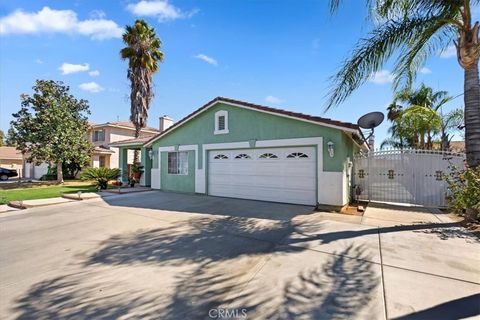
103, 134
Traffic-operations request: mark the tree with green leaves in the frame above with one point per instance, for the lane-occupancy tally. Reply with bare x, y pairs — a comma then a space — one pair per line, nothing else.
452, 122
424, 97
52, 126
143, 55
418, 123
414, 30
2, 138
9, 139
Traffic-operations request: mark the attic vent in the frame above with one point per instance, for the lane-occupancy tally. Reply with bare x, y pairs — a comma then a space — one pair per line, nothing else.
221, 123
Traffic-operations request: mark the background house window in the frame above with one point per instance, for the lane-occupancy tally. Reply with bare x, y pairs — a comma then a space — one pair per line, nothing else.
98, 135
178, 163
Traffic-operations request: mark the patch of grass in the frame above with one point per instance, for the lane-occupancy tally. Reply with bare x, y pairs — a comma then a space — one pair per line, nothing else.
44, 192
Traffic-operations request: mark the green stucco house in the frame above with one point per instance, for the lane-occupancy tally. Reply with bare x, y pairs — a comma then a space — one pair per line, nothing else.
231, 148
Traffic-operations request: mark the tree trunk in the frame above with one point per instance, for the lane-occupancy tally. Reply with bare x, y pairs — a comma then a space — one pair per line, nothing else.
59, 172
135, 152
472, 115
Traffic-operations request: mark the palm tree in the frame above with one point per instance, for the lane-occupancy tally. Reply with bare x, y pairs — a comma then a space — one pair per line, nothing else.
143, 54
414, 30
419, 123
451, 122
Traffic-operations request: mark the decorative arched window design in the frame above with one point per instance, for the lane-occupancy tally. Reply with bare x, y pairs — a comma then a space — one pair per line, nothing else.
221, 122
268, 156
220, 156
242, 156
297, 155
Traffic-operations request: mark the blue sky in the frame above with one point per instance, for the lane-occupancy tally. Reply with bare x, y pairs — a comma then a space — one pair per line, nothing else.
277, 53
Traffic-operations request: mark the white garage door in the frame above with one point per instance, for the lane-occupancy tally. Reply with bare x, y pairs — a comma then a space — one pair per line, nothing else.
276, 174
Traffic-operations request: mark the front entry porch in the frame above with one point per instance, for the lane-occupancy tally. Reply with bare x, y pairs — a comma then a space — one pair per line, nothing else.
144, 157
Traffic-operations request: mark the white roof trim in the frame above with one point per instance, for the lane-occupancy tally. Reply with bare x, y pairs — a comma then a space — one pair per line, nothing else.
126, 144
249, 108
94, 126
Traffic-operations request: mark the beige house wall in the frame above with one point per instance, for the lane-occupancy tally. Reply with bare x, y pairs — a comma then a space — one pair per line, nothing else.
113, 134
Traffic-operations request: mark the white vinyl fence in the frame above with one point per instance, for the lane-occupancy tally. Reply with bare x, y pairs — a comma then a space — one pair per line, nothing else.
404, 176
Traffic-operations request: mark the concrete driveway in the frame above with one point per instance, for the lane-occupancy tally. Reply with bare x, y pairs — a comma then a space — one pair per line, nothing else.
172, 256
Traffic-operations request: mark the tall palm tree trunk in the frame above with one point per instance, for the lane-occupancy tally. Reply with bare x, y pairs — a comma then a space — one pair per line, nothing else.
135, 152
472, 115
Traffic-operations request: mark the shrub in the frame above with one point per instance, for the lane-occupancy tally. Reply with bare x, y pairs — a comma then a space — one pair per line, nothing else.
464, 186
101, 176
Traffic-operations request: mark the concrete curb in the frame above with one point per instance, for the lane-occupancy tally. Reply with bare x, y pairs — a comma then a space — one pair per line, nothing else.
26, 204
126, 190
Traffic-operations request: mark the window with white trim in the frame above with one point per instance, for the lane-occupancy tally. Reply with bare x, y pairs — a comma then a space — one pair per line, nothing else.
221, 122
220, 157
178, 163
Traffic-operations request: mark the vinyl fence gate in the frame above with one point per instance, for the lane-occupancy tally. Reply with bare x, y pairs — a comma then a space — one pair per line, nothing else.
404, 176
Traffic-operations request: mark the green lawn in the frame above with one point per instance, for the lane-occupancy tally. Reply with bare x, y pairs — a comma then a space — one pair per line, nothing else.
44, 192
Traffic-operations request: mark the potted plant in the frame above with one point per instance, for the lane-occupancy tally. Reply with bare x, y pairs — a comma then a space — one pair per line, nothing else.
132, 181
117, 183
137, 171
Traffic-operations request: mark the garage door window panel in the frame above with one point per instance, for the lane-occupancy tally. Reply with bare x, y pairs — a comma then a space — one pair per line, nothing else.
178, 163
242, 156
297, 155
268, 156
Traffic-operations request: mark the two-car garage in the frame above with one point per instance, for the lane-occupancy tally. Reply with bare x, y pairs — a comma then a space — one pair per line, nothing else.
269, 174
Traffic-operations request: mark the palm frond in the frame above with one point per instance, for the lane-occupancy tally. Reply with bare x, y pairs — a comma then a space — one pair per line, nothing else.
370, 54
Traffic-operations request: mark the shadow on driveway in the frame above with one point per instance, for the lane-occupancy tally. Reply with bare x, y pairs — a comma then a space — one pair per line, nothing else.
192, 203
340, 287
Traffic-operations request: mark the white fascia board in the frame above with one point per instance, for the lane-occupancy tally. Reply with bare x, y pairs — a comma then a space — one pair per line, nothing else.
253, 109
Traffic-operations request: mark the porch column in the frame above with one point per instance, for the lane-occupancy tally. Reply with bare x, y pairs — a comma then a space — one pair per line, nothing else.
147, 167
123, 163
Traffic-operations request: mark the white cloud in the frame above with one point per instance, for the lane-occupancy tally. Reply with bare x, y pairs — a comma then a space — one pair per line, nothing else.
58, 21
39, 61
273, 100
207, 59
94, 73
425, 70
448, 52
68, 68
161, 9
97, 14
91, 87
382, 77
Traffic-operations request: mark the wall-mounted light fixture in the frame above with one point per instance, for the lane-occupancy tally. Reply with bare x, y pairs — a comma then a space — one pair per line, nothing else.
150, 154
331, 148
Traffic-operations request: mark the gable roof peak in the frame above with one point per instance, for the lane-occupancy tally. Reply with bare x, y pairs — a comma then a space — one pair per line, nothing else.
346, 126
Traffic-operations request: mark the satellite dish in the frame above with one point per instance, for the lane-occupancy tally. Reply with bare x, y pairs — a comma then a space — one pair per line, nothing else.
371, 120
